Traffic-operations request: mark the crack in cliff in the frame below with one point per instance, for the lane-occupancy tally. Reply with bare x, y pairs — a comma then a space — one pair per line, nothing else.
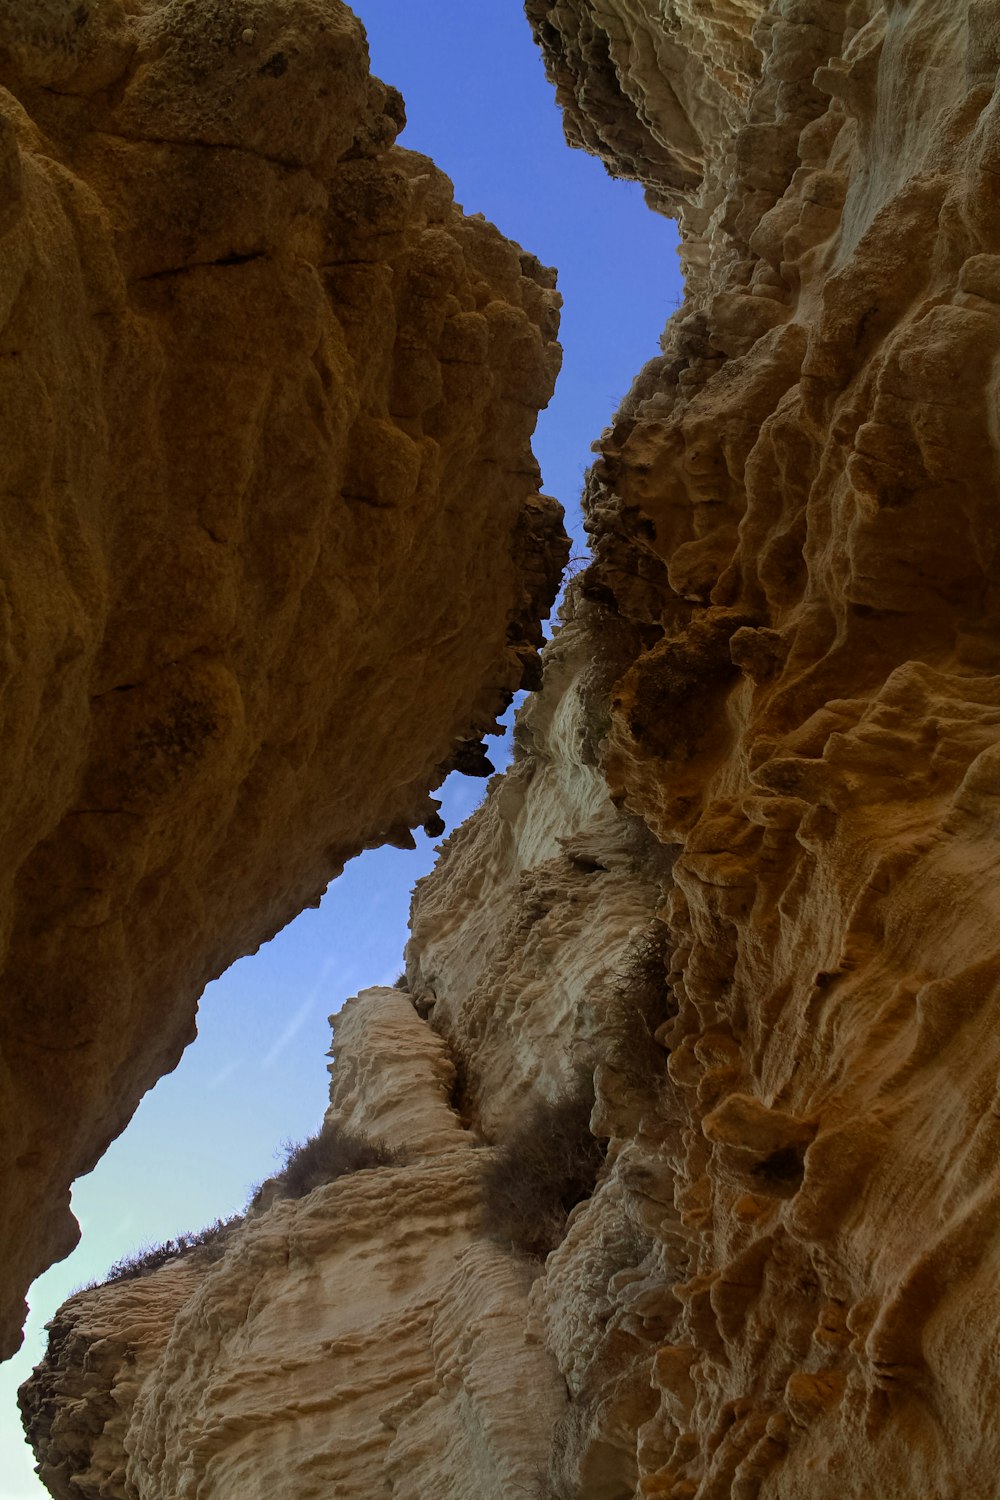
286, 164
233, 259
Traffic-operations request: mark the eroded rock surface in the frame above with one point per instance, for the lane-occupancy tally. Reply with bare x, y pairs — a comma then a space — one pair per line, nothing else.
273, 551
364, 1340
743, 869
810, 480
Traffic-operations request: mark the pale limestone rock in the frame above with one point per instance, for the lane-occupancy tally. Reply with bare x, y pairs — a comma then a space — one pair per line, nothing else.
577, 945
392, 1077
365, 1340
109, 1338
273, 551
538, 905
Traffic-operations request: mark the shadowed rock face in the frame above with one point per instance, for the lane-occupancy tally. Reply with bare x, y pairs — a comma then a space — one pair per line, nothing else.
743, 871
273, 556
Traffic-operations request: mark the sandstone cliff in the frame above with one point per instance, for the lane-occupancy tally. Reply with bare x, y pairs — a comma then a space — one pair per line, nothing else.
273, 552
372, 1337
361, 1337
741, 873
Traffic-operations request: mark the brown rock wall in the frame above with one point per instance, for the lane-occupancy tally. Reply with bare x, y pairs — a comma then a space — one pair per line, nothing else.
810, 474
272, 544
743, 868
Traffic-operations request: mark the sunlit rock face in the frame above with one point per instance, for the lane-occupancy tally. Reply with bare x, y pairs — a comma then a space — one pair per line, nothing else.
798, 506
364, 1340
742, 872
273, 549
660, 90
373, 1337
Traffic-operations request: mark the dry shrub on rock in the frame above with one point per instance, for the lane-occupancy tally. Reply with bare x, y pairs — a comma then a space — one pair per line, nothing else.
639, 1000
546, 1166
210, 1243
333, 1152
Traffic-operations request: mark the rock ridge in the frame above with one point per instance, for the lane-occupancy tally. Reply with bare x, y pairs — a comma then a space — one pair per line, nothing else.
285, 1339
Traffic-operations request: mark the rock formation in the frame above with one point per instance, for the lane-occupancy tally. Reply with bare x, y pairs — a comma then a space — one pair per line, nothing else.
741, 871
369, 1309
273, 552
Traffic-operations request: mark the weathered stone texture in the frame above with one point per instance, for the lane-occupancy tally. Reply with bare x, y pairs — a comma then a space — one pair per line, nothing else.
755, 804
364, 1340
810, 476
535, 941
273, 550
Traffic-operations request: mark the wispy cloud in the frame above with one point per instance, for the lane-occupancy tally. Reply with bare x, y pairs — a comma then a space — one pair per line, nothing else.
309, 1005
291, 1031
226, 1072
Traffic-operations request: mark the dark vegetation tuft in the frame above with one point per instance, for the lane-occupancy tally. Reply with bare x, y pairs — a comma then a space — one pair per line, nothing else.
209, 1243
464, 1091
332, 1153
545, 1168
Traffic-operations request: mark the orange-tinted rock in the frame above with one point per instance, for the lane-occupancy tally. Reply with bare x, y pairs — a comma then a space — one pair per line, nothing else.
273, 551
743, 870
808, 476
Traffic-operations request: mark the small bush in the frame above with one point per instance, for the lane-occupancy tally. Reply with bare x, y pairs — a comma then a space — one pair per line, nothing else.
543, 1170
464, 1091
210, 1243
332, 1153
631, 1047
149, 1258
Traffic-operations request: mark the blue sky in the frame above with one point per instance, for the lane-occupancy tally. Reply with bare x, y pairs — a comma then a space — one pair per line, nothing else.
478, 103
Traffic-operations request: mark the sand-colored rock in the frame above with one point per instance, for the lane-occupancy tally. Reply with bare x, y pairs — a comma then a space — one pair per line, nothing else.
813, 467
542, 904
547, 943
365, 1340
754, 805
273, 551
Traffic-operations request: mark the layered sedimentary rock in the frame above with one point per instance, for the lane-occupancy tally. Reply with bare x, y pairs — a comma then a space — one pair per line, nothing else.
361, 1341
373, 1337
810, 480
273, 551
742, 870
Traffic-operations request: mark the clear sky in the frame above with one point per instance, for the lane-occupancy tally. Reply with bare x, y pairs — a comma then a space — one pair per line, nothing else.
478, 103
